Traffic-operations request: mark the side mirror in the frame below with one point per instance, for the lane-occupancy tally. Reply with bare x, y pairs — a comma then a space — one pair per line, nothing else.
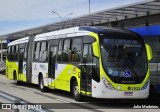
149, 52
96, 51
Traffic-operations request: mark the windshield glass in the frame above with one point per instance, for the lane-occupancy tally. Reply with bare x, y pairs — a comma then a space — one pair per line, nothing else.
124, 59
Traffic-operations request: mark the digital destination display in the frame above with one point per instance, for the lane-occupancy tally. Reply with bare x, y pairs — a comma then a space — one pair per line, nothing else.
121, 41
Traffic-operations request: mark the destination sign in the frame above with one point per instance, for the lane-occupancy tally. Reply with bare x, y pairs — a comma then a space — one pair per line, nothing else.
121, 41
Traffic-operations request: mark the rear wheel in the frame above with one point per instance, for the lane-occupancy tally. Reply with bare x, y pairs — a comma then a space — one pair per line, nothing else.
15, 79
41, 84
76, 94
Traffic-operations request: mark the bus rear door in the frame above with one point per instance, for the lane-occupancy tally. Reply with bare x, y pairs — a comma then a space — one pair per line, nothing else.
20, 63
52, 61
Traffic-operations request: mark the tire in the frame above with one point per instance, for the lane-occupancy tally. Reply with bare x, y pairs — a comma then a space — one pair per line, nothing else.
15, 79
41, 84
76, 94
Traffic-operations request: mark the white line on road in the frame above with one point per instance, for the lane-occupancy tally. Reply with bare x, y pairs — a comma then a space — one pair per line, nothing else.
63, 100
30, 91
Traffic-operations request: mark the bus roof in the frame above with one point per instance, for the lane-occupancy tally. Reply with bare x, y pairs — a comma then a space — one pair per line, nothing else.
71, 32
22, 40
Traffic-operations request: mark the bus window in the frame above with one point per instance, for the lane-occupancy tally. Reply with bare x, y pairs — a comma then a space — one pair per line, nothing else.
16, 53
37, 49
91, 64
10, 56
9, 49
59, 51
25, 52
43, 52
76, 49
66, 51
16, 50
8, 53
13, 53
12, 49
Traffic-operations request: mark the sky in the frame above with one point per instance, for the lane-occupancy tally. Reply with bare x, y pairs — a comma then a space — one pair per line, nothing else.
17, 15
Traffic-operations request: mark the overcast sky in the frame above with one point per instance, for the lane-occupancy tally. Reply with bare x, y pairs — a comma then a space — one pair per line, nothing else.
17, 15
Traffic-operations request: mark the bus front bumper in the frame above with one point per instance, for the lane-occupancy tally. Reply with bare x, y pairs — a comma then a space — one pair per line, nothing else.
102, 92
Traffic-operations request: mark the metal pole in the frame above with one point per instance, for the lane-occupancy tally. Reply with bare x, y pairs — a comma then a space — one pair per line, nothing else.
1, 51
89, 6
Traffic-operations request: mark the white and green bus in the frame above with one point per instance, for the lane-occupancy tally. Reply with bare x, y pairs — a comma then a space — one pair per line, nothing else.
91, 61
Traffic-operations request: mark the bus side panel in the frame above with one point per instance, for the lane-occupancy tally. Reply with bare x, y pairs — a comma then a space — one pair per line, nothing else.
63, 75
37, 69
22, 76
24, 79
60, 72
11, 67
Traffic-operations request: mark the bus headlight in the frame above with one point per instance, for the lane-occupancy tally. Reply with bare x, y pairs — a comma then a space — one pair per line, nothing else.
145, 85
107, 83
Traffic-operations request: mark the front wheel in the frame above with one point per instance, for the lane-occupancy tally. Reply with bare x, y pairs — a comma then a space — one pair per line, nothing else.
76, 94
41, 85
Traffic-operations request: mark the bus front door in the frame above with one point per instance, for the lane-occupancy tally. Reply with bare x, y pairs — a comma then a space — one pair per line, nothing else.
52, 65
86, 70
20, 63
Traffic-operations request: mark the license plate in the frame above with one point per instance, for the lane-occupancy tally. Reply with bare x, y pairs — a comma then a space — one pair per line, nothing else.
128, 93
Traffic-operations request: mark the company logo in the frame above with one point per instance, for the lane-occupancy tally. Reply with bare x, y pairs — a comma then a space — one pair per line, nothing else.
15, 106
44, 67
127, 73
24, 66
6, 106
35, 67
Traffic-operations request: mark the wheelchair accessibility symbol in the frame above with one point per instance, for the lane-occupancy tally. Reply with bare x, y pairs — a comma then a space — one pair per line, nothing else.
127, 73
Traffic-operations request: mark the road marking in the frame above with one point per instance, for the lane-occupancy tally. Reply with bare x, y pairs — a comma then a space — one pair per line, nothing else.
29, 91
62, 100
41, 94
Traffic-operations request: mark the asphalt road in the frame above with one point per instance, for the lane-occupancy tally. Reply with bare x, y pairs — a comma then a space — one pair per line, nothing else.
61, 101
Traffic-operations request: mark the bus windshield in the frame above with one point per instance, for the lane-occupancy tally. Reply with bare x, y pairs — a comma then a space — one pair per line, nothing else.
124, 60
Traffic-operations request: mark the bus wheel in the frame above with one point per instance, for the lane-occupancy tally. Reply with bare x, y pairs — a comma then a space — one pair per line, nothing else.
76, 94
41, 84
15, 79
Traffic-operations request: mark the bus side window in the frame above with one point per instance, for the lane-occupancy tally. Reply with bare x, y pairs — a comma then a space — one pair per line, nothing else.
43, 51
37, 49
16, 53
8, 53
96, 69
12, 54
25, 52
66, 54
59, 51
16, 48
76, 49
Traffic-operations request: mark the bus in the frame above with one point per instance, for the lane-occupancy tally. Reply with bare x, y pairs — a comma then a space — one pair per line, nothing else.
99, 62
